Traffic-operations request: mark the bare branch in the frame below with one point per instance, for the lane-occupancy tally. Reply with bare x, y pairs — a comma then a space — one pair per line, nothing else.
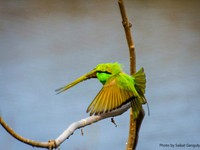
134, 126
25, 140
68, 132
127, 28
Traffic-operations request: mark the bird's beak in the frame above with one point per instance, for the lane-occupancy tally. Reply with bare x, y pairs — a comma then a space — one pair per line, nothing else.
91, 74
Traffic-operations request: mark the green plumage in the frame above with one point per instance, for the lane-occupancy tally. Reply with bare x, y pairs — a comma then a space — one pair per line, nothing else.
118, 89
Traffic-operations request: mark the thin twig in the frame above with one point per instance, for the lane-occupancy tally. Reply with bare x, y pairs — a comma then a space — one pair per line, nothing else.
134, 126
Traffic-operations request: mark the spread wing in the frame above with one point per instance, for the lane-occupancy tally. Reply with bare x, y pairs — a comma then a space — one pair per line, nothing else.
117, 91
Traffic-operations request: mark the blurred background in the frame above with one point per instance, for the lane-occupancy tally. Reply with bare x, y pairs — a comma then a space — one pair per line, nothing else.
47, 44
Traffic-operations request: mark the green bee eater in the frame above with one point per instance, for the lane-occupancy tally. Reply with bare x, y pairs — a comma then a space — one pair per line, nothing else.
118, 89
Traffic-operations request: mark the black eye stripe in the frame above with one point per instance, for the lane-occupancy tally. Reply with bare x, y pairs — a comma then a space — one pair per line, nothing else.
104, 72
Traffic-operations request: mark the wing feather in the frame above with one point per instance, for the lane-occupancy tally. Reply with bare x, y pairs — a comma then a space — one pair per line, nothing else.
116, 92
110, 102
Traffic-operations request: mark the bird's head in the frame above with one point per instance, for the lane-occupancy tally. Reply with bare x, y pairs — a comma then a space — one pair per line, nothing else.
105, 71
102, 71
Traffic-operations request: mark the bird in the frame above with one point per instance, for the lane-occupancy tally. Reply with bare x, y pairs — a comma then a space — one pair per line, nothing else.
118, 89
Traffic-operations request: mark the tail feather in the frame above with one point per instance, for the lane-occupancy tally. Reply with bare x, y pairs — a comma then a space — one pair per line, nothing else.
140, 86
136, 108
